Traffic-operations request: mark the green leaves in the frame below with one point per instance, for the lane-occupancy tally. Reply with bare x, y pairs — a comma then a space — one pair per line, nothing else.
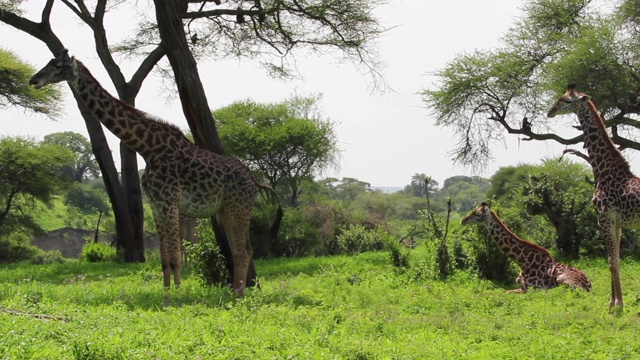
487, 94
287, 142
28, 171
15, 89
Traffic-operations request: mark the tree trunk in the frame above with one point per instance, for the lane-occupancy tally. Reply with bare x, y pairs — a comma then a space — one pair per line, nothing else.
194, 100
133, 246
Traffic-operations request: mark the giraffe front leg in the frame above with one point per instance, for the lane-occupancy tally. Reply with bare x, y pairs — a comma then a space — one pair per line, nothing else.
522, 281
612, 234
167, 227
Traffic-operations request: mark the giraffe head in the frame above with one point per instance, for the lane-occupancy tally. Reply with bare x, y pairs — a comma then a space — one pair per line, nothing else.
570, 102
61, 68
479, 215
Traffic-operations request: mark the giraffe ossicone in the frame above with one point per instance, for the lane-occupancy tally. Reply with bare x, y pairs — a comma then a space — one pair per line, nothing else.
538, 268
617, 193
180, 178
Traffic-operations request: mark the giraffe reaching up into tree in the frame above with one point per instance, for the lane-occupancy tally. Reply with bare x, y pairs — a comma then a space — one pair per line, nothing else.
180, 177
538, 268
617, 194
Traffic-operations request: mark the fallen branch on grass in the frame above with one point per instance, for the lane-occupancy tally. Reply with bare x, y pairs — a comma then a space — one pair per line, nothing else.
44, 317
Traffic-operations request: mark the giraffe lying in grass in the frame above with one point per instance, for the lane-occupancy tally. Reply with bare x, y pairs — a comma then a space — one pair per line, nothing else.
538, 268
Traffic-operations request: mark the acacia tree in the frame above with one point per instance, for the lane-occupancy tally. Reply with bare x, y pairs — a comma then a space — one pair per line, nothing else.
268, 30
486, 94
28, 171
288, 142
84, 165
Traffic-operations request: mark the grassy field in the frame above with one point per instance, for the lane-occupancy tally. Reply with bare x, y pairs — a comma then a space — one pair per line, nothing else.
309, 308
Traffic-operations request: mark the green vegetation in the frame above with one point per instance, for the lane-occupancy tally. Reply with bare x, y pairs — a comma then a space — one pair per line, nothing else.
359, 307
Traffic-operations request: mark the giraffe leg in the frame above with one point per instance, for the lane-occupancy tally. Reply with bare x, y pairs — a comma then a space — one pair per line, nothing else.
522, 281
611, 234
236, 226
168, 228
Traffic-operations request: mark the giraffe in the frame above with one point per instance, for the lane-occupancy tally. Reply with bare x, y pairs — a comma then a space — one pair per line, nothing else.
180, 178
189, 234
538, 268
617, 193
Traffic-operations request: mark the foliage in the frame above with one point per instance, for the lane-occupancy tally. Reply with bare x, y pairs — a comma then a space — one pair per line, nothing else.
15, 89
288, 142
560, 192
98, 252
320, 308
207, 261
271, 31
487, 94
15, 247
84, 165
28, 171
417, 186
356, 239
489, 261
86, 198
48, 257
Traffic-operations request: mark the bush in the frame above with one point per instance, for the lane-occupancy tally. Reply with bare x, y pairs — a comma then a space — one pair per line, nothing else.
98, 252
489, 261
399, 257
208, 264
356, 239
48, 257
16, 247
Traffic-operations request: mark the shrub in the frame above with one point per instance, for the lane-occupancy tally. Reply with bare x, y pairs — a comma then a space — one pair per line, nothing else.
399, 257
15, 248
356, 239
98, 252
48, 257
490, 262
208, 264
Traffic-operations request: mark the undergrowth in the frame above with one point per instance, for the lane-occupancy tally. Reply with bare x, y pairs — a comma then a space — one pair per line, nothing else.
358, 307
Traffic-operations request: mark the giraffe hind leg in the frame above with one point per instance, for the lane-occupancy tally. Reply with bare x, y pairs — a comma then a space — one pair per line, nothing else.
236, 226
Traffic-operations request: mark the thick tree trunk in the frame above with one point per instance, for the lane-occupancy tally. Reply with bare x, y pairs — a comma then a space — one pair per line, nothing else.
193, 99
133, 246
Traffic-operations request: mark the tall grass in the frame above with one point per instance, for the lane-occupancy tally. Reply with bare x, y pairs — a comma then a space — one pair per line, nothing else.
358, 307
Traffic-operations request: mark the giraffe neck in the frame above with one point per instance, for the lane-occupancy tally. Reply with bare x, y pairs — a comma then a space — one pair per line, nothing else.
140, 131
516, 248
605, 159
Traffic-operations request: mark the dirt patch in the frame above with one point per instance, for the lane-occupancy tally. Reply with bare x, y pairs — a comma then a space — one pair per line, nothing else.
71, 240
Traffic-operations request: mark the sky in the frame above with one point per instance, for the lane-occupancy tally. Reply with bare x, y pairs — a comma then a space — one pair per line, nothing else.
385, 137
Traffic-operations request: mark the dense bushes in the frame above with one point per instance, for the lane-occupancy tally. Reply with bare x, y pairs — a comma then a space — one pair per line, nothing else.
98, 252
16, 247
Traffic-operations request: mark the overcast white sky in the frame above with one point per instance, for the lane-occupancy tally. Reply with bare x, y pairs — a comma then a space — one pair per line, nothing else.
385, 138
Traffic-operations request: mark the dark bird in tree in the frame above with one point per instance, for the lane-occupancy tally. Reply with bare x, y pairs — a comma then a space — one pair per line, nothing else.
526, 125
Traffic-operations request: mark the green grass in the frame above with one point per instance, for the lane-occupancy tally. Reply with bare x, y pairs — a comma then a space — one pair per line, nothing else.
308, 308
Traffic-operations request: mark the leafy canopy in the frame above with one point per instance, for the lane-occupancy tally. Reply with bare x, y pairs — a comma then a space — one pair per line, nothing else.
15, 89
483, 95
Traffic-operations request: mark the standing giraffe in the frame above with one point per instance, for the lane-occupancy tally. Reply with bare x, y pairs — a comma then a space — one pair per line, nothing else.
180, 177
617, 194
538, 268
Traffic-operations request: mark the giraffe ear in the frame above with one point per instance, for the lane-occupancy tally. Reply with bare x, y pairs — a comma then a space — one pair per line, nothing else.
584, 98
